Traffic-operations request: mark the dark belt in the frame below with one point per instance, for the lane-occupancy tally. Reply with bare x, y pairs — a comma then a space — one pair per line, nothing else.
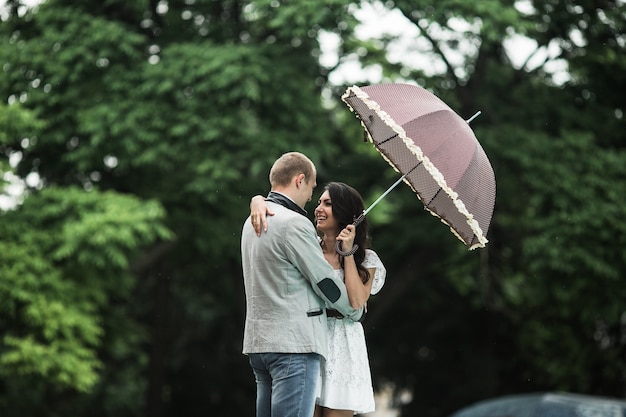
334, 313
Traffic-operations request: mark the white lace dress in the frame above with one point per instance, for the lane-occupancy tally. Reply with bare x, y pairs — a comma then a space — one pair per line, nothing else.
346, 382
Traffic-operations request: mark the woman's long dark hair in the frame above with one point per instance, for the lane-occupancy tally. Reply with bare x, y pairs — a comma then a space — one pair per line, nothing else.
347, 205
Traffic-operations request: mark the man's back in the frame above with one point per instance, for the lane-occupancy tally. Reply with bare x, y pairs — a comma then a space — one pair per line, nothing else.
284, 314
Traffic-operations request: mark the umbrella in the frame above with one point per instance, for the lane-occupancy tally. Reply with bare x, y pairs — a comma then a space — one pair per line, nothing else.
436, 152
549, 404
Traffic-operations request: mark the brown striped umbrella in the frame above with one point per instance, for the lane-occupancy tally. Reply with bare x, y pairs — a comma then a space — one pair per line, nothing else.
436, 152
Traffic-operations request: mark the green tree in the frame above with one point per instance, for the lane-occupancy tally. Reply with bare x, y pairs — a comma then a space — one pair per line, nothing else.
540, 308
150, 124
181, 105
65, 255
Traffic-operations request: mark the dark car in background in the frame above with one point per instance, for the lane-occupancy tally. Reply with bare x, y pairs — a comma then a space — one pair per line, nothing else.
546, 405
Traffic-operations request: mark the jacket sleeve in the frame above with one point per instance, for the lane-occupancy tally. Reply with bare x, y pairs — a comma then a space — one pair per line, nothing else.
305, 253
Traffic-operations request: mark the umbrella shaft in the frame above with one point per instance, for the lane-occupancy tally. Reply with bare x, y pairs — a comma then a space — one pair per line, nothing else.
473, 117
359, 219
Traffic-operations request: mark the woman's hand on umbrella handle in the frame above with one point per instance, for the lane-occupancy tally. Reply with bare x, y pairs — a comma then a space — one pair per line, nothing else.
258, 212
345, 239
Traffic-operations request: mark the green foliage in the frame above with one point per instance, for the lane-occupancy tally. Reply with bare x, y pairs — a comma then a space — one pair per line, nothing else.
45, 333
64, 256
542, 301
16, 123
149, 120
187, 105
567, 256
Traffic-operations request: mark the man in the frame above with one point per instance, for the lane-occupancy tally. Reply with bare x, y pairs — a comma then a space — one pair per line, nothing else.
288, 285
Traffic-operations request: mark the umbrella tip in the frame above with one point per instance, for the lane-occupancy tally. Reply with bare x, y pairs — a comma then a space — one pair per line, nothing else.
473, 117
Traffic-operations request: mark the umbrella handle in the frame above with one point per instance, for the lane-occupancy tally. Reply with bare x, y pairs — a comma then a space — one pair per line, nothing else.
352, 251
345, 253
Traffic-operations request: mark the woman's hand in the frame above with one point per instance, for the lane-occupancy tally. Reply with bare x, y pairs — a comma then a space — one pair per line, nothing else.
258, 212
358, 293
346, 237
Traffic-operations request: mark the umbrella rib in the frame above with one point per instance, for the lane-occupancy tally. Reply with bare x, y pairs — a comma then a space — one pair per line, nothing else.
388, 139
434, 196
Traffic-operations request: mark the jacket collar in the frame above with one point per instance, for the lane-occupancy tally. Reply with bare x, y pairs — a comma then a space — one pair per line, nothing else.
283, 200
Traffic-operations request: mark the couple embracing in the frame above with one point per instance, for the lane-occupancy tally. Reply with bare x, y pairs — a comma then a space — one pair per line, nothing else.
304, 301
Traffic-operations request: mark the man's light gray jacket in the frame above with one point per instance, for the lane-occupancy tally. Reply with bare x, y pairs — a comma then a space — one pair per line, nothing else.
288, 284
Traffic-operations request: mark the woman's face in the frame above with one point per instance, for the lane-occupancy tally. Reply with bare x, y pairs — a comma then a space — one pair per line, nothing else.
324, 219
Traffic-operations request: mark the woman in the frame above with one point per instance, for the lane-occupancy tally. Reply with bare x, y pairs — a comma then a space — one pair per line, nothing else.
346, 384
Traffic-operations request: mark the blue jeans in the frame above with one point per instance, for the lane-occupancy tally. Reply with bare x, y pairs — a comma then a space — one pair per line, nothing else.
286, 383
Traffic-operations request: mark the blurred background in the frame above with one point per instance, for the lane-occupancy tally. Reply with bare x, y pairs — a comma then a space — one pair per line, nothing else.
133, 134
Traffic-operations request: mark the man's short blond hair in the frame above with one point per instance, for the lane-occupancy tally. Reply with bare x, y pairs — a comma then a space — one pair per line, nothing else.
288, 166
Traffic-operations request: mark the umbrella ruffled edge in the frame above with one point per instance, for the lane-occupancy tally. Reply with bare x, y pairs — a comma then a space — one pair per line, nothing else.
428, 165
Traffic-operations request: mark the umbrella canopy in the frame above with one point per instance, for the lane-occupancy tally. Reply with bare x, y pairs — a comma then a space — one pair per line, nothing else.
425, 140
